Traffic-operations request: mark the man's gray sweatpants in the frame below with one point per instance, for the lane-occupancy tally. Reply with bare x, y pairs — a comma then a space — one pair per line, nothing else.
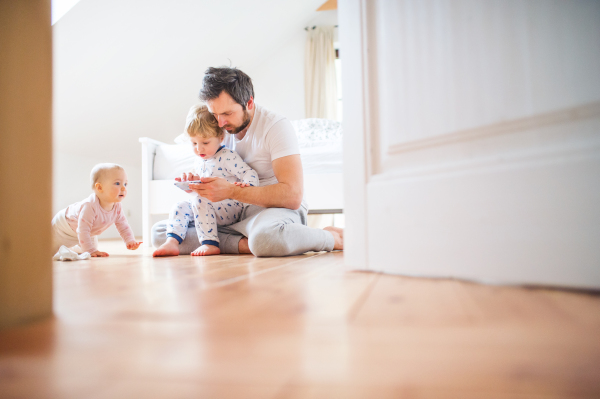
270, 232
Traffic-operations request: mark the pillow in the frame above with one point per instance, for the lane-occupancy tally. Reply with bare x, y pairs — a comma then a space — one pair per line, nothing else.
316, 131
172, 160
183, 138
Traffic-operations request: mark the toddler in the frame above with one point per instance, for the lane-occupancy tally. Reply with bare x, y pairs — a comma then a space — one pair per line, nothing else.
82, 223
214, 160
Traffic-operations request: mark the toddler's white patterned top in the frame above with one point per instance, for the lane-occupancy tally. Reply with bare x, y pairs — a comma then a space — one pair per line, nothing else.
228, 165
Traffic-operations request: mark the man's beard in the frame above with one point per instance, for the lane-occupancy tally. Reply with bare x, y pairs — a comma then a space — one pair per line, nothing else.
244, 124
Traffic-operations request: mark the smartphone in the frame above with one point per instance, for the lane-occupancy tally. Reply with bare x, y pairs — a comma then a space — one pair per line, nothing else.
185, 185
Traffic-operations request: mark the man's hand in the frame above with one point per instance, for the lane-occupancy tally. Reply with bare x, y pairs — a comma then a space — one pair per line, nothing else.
287, 193
134, 245
99, 254
214, 189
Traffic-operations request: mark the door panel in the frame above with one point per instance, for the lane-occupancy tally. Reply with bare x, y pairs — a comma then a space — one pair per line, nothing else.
482, 132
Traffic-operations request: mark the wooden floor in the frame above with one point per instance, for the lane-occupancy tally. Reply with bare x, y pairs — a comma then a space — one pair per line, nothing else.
131, 326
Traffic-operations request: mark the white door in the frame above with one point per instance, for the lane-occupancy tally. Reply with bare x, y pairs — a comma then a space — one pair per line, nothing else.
472, 139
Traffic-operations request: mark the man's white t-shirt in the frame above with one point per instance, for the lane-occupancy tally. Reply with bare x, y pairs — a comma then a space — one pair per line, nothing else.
269, 137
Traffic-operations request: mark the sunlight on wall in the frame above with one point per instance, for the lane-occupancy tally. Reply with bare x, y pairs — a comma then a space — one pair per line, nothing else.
60, 8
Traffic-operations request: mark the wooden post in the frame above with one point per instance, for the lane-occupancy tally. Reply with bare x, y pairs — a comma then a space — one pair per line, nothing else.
25, 161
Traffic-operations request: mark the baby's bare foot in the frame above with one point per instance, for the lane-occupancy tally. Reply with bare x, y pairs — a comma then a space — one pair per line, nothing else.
338, 236
205, 250
169, 248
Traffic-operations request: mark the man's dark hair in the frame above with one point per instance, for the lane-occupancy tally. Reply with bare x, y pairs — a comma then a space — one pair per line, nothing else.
231, 80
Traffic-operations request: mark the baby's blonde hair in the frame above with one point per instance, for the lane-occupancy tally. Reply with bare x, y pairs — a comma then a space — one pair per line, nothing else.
201, 123
99, 171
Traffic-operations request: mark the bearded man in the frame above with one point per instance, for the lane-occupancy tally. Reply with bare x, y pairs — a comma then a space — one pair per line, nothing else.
274, 219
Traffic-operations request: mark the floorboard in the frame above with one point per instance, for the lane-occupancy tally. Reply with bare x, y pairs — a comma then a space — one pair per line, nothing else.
297, 327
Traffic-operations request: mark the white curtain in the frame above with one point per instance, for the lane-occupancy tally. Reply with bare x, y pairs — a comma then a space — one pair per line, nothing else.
319, 74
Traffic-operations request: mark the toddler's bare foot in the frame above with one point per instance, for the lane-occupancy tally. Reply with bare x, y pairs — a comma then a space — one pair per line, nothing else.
338, 236
169, 248
205, 250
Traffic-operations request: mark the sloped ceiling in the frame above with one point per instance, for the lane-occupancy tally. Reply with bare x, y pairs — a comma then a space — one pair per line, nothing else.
127, 68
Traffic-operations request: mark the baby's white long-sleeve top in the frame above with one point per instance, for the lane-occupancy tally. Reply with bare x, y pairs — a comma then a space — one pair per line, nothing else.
87, 218
228, 165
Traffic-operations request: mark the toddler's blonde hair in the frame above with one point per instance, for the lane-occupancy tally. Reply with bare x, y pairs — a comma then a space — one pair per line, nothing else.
100, 170
201, 123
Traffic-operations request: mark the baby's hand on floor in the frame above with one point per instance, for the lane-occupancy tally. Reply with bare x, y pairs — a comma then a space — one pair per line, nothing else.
99, 254
134, 245
242, 184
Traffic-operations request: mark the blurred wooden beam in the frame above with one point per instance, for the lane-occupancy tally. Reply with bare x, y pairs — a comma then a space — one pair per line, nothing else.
25, 110
328, 5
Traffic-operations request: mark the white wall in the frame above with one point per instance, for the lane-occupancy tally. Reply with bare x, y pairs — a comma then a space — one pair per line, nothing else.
279, 78
124, 69
286, 67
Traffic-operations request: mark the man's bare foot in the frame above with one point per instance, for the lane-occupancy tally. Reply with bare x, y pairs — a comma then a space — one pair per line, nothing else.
169, 248
205, 250
338, 236
243, 247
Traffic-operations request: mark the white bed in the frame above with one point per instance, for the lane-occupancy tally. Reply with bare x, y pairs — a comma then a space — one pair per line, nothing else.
320, 148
